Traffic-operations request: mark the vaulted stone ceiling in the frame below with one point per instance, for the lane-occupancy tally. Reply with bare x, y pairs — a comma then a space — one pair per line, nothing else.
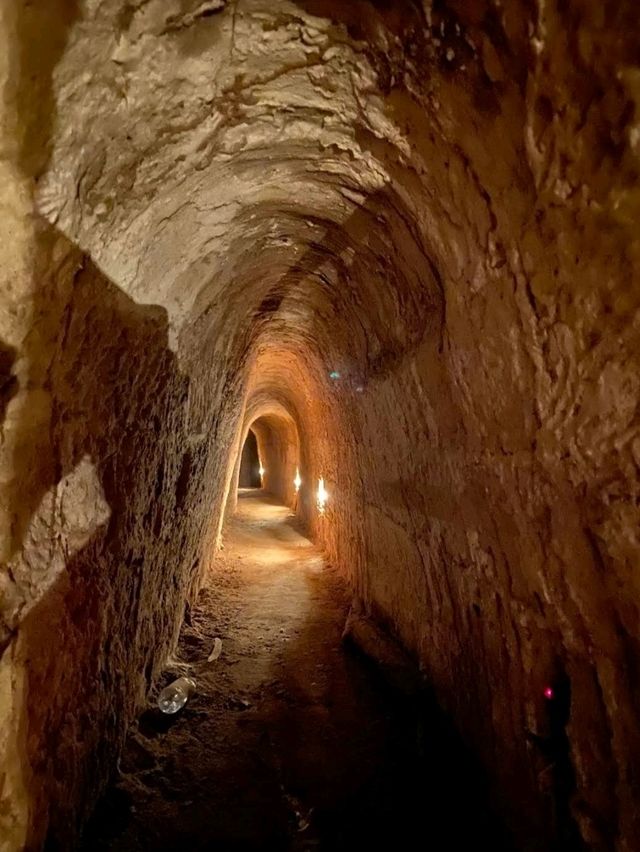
219, 160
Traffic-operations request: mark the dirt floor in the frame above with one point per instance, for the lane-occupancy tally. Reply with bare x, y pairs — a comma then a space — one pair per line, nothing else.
292, 741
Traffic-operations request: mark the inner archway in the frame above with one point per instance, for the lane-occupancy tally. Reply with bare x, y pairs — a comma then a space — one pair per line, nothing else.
282, 454
278, 449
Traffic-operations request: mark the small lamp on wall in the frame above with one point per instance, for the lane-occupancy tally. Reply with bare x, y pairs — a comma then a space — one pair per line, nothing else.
322, 495
297, 482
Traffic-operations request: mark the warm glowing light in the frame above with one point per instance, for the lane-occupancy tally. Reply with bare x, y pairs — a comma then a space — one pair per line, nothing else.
261, 471
297, 481
322, 495
548, 692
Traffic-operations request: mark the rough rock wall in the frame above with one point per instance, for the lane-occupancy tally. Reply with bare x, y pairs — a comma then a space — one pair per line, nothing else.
412, 226
102, 439
97, 592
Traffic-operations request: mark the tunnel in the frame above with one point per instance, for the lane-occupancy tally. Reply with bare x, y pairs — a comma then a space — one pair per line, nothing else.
394, 244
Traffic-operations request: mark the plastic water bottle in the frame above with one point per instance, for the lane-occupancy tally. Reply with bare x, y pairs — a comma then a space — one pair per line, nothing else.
175, 696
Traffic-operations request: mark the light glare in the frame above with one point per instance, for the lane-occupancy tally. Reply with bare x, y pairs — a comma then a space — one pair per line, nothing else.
322, 495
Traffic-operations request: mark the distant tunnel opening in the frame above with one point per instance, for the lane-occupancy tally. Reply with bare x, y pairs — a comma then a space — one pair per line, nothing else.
249, 463
269, 454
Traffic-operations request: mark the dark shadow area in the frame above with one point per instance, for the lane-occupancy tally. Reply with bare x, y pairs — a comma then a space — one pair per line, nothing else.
8, 382
42, 31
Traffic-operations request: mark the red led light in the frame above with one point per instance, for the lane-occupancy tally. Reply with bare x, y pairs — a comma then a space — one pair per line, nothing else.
548, 692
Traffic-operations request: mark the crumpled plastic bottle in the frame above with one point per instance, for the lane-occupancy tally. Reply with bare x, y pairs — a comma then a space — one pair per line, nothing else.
175, 696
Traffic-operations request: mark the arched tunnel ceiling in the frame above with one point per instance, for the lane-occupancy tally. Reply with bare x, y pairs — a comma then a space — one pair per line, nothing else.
350, 181
290, 162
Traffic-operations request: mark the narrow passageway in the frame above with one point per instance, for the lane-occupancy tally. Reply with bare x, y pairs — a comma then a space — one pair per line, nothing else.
292, 741
391, 249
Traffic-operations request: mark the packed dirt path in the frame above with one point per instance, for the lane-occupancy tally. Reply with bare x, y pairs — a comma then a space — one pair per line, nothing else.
292, 741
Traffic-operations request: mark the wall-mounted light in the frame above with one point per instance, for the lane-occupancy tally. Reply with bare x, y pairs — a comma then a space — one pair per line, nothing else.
261, 471
297, 482
322, 496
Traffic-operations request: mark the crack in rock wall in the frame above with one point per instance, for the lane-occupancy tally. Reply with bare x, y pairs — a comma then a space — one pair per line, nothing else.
410, 231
